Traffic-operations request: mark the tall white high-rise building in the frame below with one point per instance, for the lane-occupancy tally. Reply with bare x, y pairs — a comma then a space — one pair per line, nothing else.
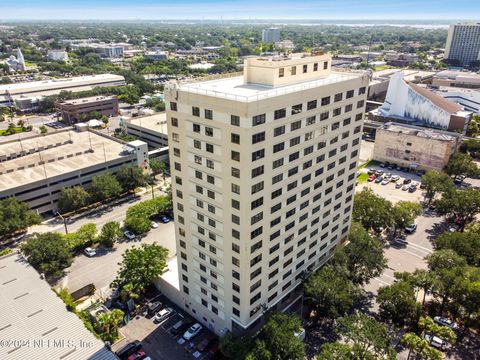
271, 35
263, 175
463, 43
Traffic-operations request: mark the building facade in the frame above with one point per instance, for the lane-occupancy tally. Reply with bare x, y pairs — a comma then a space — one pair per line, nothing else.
414, 147
271, 35
263, 174
463, 43
73, 111
57, 55
412, 104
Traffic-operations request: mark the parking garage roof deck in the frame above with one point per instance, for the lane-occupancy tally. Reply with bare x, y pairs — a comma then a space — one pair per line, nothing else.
32, 159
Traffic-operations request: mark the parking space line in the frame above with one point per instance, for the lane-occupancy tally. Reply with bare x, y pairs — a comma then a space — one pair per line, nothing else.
411, 253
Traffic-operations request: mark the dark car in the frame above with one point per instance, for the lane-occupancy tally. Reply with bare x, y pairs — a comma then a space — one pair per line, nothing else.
154, 307
407, 181
205, 342
180, 326
129, 349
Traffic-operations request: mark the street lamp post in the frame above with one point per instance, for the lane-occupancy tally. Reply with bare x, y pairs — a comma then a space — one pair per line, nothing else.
64, 222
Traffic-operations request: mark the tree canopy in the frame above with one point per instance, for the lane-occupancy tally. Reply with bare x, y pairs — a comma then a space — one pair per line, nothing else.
16, 215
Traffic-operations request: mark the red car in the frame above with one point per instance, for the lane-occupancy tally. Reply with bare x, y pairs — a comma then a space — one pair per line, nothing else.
206, 342
371, 178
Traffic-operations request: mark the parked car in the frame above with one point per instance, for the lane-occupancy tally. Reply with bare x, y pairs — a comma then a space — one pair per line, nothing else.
206, 342
371, 171
154, 225
445, 322
154, 307
371, 178
407, 181
180, 326
129, 349
401, 240
385, 181
398, 185
162, 315
405, 187
165, 219
459, 179
139, 355
90, 252
129, 235
395, 178
411, 228
391, 167
398, 168
382, 165
300, 334
379, 179
379, 172
436, 341
192, 331
412, 188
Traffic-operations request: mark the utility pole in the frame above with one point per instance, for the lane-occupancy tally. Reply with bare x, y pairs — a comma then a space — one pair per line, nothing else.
64, 222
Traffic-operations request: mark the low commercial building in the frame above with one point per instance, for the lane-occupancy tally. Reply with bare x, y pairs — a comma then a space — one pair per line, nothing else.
76, 110
156, 55
23, 94
150, 129
414, 147
35, 322
36, 169
461, 79
57, 55
400, 59
412, 104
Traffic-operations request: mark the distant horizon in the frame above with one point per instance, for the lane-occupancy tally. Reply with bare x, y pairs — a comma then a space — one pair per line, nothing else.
238, 10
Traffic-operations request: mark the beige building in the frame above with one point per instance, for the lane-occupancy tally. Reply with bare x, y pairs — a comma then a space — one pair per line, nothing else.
460, 79
263, 172
73, 111
414, 147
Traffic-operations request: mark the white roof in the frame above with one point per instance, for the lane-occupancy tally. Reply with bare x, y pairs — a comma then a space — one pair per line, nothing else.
36, 318
94, 123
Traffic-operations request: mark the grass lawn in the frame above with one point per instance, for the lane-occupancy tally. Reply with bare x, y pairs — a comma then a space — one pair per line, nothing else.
363, 177
16, 130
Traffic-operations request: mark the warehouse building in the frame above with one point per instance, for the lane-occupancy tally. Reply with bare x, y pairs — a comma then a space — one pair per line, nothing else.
414, 147
36, 169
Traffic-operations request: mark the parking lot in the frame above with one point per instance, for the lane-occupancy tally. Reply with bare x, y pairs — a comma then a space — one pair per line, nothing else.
157, 339
390, 190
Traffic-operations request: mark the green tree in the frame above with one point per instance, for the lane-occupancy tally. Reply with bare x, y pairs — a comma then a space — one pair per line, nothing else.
140, 266
85, 236
444, 259
417, 345
331, 292
461, 164
460, 205
466, 245
397, 303
48, 253
104, 186
238, 348
368, 338
436, 182
107, 324
158, 167
15, 216
278, 334
138, 224
404, 214
110, 232
131, 177
372, 211
362, 257
72, 199
335, 351
43, 129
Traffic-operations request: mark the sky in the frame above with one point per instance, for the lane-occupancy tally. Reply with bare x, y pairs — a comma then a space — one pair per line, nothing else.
239, 9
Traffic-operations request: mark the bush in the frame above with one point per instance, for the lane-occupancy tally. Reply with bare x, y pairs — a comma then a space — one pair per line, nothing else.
67, 299
5, 251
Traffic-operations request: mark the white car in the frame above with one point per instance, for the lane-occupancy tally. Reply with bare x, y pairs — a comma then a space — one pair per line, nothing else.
192, 331
395, 178
386, 181
90, 252
445, 322
154, 225
436, 341
405, 187
129, 235
162, 315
